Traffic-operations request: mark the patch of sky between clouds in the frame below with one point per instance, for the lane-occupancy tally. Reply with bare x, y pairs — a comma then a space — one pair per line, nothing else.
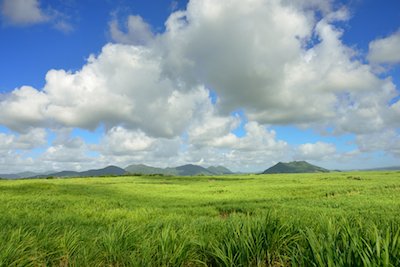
51, 136
92, 154
5, 130
33, 153
185, 141
240, 130
90, 137
372, 11
213, 96
295, 136
380, 159
395, 74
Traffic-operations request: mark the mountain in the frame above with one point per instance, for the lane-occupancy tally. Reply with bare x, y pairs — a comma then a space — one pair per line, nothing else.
294, 167
219, 170
62, 174
110, 170
18, 175
391, 168
190, 169
184, 170
144, 169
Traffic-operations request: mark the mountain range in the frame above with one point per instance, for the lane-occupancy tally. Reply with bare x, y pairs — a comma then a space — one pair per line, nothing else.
184, 170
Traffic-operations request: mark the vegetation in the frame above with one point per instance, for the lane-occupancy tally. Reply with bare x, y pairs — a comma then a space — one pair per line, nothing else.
294, 167
320, 219
185, 170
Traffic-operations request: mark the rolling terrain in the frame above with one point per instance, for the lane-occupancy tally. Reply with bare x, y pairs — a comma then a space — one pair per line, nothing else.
138, 169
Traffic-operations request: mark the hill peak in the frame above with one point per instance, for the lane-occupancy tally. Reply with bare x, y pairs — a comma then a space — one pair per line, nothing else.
294, 167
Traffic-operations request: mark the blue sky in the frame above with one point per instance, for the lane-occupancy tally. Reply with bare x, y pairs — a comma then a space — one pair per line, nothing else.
244, 84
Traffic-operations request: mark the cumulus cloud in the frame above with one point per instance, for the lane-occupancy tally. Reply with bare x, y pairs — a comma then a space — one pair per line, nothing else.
267, 64
23, 108
270, 71
385, 50
315, 151
368, 112
138, 32
122, 86
388, 140
23, 12
32, 139
219, 145
15, 148
12, 162
120, 141
124, 147
29, 12
324, 6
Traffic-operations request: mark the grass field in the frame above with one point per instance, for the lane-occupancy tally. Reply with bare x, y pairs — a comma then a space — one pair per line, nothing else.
327, 219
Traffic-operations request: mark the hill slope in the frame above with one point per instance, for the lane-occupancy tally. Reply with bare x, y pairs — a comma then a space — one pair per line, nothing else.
219, 170
184, 170
144, 169
109, 170
190, 169
294, 167
18, 175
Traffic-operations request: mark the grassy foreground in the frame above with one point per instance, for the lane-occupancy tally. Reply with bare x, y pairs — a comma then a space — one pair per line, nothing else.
328, 219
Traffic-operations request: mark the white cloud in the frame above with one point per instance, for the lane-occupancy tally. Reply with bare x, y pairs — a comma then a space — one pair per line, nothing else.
124, 147
325, 6
138, 32
63, 26
120, 141
268, 71
388, 140
217, 145
23, 12
368, 112
122, 86
29, 12
14, 150
266, 65
12, 162
315, 151
32, 139
23, 108
385, 50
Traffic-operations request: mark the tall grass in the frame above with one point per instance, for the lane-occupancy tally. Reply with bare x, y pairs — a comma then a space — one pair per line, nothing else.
242, 240
199, 221
349, 243
254, 241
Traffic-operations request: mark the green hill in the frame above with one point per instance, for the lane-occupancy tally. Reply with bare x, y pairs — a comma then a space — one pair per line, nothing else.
184, 170
109, 170
144, 169
294, 167
219, 170
18, 175
190, 169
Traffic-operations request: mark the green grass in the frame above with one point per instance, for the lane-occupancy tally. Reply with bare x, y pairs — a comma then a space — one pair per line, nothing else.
322, 219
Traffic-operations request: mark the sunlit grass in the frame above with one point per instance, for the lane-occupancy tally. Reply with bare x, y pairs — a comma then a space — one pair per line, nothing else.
327, 219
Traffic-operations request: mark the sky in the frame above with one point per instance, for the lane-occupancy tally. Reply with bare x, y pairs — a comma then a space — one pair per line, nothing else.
239, 83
